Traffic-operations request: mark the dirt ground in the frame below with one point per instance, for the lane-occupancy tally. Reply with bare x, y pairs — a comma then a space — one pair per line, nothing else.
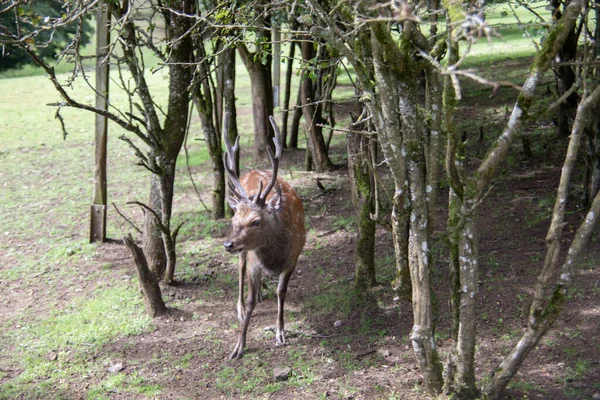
340, 344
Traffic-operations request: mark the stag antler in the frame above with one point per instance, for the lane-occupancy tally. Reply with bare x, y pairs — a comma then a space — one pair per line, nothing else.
229, 160
262, 197
231, 155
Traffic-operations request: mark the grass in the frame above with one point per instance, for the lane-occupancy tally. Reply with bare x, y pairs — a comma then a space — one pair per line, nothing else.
339, 300
44, 227
61, 348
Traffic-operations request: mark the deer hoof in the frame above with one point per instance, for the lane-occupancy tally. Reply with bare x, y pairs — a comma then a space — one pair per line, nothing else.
238, 352
280, 338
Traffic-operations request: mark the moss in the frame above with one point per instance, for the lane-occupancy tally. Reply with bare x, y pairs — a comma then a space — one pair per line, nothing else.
454, 11
555, 304
397, 58
363, 184
545, 56
524, 102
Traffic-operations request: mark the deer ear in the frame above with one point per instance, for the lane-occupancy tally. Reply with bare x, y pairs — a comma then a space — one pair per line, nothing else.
233, 202
275, 203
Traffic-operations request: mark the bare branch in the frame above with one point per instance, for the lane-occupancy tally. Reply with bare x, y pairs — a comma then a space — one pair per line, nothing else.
127, 219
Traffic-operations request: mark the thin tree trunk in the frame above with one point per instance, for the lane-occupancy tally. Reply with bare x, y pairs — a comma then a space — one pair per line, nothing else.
288, 91
422, 335
293, 141
464, 383
313, 117
154, 247
400, 231
230, 108
204, 104
363, 197
391, 138
262, 96
565, 78
433, 144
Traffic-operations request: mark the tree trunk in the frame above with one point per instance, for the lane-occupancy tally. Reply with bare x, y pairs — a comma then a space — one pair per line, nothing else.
400, 231
390, 135
154, 247
464, 382
293, 141
262, 97
312, 116
288, 92
422, 335
363, 197
229, 105
432, 144
155, 306
564, 80
175, 126
204, 103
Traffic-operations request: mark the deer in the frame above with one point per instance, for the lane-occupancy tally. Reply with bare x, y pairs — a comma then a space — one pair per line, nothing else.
268, 233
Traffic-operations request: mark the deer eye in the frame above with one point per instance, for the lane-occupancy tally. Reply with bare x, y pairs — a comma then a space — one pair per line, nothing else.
256, 222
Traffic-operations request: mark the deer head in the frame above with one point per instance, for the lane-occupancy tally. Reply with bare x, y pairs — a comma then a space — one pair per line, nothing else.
255, 219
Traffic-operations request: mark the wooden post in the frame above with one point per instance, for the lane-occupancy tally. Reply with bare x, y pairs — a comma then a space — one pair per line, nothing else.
276, 65
98, 208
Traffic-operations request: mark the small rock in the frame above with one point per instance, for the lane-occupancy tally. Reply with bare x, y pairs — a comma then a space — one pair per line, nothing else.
337, 323
118, 367
52, 356
282, 373
384, 353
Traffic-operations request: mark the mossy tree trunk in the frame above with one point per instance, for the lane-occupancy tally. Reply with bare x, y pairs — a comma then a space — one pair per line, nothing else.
398, 76
363, 197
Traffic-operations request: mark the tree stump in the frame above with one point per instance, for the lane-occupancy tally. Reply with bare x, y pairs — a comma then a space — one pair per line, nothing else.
148, 281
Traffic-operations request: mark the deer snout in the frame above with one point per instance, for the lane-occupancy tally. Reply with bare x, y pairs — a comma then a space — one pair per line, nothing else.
229, 246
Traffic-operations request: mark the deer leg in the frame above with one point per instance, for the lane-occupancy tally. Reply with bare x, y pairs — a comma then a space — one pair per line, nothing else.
259, 295
241, 273
254, 279
284, 278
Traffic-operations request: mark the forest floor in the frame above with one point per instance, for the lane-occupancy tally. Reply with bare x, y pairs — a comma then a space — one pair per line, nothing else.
341, 344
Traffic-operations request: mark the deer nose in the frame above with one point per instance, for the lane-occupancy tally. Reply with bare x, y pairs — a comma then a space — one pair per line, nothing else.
228, 245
